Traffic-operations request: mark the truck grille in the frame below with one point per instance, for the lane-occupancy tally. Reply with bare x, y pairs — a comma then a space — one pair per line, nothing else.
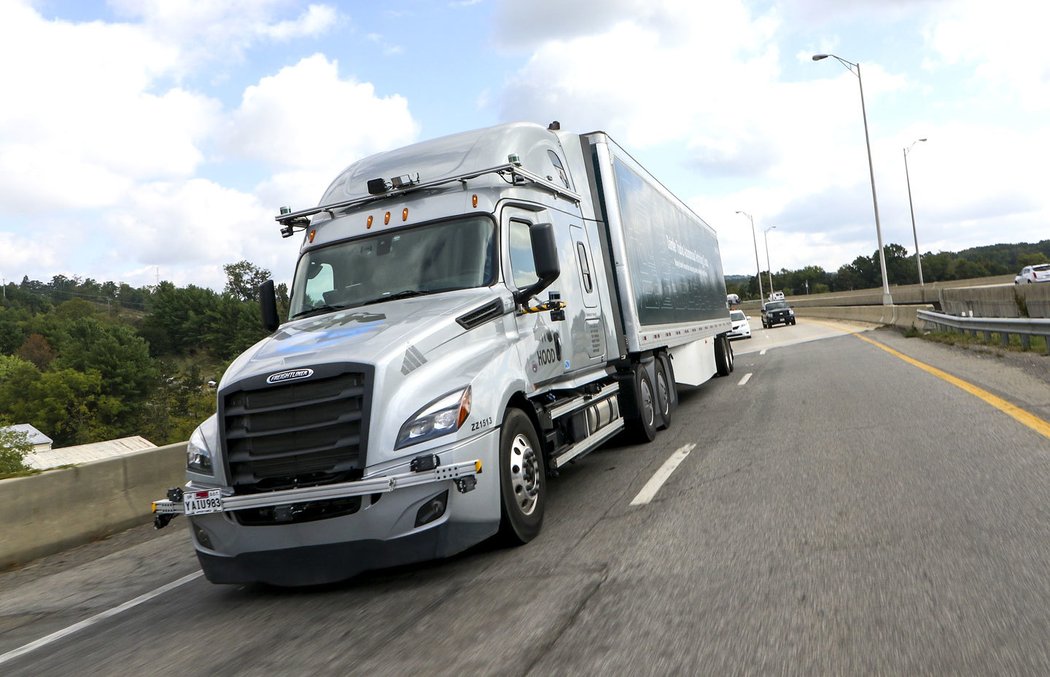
297, 433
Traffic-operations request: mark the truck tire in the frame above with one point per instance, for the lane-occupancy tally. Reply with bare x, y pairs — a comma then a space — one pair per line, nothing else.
522, 479
723, 356
640, 408
664, 386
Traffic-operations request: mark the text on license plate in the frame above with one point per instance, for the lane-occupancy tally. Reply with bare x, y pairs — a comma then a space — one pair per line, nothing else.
202, 502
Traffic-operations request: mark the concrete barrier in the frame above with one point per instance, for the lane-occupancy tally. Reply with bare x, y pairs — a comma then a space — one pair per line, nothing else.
47, 513
1024, 300
898, 316
902, 294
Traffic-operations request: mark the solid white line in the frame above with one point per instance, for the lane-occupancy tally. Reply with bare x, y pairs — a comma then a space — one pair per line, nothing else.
747, 377
77, 627
657, 480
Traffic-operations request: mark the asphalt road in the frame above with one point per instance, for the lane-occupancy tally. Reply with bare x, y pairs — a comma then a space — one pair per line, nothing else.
840, 511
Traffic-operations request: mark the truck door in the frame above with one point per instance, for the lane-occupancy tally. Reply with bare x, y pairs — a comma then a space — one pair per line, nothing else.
541, 339
588, 334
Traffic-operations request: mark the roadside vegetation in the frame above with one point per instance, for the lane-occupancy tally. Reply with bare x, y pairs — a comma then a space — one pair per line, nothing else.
994, 343
14, 446
84, 361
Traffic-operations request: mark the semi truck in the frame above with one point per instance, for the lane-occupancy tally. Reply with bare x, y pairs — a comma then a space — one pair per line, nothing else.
468, 315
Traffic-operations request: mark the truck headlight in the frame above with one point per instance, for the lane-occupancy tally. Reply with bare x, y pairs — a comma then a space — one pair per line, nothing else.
198, 451
442, 416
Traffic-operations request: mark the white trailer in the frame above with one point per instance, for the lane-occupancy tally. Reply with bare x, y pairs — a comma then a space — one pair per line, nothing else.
468, 315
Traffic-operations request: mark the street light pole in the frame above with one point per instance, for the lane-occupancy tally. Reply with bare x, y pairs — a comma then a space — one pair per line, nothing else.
758, 266
914, 232
887, 299
769, 269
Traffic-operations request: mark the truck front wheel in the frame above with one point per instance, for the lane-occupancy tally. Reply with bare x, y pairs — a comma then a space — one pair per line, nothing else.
522, 479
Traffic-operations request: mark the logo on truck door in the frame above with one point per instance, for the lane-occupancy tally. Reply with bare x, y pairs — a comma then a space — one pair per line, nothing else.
546, 361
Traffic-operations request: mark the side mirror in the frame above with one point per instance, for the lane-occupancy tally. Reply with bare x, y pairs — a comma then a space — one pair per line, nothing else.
268, 306
545, 257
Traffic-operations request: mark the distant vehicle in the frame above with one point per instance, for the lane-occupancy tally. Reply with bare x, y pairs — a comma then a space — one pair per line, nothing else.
741, 325
1030, 274
776, 296
777, 312
732, 299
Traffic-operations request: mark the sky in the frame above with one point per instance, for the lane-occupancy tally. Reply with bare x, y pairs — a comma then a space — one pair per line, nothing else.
148, 140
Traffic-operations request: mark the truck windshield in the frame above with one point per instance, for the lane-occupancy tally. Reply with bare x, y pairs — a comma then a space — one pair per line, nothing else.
455, 254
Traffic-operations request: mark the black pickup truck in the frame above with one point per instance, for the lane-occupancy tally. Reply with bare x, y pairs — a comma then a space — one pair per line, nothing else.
777, 312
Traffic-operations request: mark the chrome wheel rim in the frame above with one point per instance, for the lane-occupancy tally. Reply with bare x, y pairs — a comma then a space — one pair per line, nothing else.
524, 473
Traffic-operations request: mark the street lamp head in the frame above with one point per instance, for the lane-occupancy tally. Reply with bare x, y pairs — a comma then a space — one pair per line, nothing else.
818, 57
922, 139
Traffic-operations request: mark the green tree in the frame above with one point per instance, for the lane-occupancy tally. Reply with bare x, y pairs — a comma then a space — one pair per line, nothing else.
12, 320
14, 446
231, 327
178, 406
175, 322
243, 279
121, 359
900, 267
1031, 259
847, 278
68, 405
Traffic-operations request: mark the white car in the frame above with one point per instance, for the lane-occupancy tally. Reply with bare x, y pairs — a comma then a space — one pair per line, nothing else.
1030, 274
741, 326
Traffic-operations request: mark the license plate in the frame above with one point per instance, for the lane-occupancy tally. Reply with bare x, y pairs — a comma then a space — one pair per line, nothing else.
202, 502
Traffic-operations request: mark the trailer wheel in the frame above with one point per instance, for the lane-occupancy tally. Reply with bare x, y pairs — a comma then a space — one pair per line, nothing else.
664, 390
522, 479
723, 356
641, 407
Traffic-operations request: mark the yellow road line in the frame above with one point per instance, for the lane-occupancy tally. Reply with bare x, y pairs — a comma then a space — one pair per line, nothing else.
1020, 415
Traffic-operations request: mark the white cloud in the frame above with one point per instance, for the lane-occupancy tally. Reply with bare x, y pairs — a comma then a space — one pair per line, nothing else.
702, 87
77, 132
1005, 43
316, 20
307, 117
211, 32
190, 229
19, 252
106, 159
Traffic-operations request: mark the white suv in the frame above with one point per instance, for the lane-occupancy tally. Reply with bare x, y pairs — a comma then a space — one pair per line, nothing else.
1030, 274
741, 325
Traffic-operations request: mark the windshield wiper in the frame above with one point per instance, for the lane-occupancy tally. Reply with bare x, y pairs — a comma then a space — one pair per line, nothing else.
405, 294
317, 310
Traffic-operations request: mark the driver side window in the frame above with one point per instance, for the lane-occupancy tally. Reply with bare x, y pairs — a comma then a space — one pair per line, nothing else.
523, 267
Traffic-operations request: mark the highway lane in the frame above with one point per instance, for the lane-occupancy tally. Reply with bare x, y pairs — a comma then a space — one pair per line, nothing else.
841, 511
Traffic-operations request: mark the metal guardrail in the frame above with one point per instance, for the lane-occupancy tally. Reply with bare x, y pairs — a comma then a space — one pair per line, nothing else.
1005, 327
